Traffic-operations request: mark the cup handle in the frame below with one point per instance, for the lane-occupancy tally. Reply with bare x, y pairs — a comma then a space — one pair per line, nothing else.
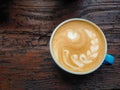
109, 59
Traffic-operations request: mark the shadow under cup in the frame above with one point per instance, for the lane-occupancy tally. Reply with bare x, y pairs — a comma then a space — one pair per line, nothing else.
79, 46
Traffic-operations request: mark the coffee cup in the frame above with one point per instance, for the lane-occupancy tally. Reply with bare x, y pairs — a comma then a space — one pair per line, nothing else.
78, 46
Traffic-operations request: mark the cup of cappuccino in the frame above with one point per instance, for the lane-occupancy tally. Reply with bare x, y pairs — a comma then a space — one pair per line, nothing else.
78, 46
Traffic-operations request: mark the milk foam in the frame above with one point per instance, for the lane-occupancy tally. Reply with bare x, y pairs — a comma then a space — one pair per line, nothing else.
77, 48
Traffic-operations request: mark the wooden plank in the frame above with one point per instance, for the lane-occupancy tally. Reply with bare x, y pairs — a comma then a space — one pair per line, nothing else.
25, 30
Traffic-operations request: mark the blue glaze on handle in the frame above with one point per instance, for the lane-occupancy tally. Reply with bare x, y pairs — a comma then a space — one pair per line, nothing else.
109, 59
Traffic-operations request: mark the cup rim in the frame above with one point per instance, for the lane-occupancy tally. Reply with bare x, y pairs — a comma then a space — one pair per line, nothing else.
54, 58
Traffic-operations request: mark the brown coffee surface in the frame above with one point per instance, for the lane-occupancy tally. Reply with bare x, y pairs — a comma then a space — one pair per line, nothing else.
78, 46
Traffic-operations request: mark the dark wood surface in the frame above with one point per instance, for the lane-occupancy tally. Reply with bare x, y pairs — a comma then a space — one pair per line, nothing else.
25, 30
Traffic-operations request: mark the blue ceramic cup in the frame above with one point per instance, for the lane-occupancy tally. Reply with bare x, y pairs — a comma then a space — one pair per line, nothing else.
107, 59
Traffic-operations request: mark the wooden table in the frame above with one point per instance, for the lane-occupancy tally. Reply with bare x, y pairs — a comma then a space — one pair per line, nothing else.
25, 30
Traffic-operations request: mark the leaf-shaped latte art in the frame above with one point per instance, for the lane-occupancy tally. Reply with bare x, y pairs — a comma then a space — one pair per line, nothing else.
82, 59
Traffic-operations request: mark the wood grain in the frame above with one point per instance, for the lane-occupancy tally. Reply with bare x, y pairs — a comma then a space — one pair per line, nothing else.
25, 30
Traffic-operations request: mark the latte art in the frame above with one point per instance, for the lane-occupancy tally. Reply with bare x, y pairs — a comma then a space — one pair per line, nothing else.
77, 46
72, 35
84, 58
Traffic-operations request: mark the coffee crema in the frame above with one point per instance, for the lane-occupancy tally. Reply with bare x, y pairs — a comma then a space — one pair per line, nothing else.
78, 46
